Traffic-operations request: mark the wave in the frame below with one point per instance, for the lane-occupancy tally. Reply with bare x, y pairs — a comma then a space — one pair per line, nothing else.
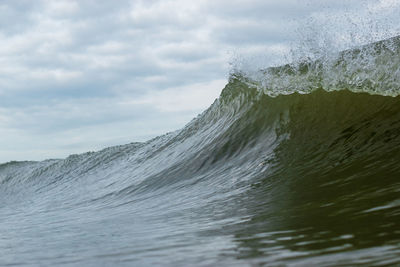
291, 165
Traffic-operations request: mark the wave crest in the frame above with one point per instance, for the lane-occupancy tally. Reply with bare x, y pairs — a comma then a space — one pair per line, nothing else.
373, 68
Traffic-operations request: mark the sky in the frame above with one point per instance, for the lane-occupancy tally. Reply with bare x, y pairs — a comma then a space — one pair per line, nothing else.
81, 75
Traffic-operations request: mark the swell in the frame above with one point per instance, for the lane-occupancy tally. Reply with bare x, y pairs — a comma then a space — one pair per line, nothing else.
246, 131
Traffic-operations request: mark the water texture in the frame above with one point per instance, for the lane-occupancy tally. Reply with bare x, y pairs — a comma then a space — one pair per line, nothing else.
292, 166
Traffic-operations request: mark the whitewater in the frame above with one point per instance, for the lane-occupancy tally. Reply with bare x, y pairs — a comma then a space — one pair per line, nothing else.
296, 165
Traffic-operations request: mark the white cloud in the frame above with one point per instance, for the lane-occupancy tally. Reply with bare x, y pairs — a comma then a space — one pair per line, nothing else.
383, 5
61, 7
193, 97
58, 75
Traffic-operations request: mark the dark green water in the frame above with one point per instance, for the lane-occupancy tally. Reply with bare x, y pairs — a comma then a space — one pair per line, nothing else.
297, 165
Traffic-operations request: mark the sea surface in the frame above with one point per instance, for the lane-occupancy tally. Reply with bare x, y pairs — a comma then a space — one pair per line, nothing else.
297, 165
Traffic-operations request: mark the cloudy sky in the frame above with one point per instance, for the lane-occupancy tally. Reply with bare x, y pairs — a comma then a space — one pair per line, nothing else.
82, 75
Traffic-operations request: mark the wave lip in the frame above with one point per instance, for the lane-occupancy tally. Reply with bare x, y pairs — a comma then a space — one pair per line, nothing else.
372, 68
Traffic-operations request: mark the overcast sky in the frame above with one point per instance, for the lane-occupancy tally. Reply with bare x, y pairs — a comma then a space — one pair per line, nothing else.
82, 75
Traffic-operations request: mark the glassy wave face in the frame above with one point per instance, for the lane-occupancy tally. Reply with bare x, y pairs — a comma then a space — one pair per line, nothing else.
295, 165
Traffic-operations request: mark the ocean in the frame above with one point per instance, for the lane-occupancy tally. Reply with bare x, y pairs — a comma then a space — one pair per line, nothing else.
297, 165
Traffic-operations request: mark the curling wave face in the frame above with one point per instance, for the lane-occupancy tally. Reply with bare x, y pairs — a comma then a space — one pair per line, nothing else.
292, 165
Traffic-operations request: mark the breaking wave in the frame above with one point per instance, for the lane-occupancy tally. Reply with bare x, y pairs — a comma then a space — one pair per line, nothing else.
293, 165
